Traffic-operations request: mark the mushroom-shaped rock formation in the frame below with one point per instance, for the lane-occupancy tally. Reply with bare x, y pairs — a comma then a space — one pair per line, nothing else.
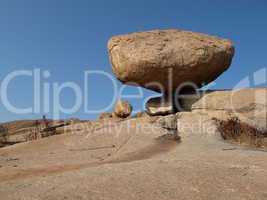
162, 60
169, 61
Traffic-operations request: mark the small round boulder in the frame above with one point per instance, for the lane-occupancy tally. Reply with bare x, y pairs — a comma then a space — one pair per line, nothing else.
123, 109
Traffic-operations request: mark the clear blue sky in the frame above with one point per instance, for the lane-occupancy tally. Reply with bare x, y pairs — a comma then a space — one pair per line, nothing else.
68, 37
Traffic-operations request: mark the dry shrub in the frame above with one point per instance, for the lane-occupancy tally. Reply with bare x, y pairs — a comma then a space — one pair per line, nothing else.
235, 130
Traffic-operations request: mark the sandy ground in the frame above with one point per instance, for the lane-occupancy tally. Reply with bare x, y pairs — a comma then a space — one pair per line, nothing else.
131, 160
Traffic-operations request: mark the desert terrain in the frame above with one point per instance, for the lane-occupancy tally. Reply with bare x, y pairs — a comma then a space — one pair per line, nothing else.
133, 158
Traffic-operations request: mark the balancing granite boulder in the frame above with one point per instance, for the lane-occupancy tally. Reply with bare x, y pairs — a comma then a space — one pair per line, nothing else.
162, 60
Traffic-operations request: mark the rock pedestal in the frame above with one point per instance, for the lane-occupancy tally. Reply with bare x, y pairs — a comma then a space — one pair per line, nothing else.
160, 106
167, 60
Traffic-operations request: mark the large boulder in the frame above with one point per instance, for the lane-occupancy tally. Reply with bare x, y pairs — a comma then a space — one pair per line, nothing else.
123, 109
162, 60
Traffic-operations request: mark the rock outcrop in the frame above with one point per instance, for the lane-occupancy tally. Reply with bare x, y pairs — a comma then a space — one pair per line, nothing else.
249, 105
162, 60
197, 127
169, 123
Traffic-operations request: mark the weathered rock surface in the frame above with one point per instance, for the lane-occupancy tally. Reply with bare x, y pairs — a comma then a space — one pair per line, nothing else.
123, 109
168, 56
168, 122
196, 127
126, 160
160, 106
249, 105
